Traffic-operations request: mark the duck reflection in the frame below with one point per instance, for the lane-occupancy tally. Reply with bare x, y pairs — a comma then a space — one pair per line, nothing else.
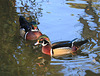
44, 60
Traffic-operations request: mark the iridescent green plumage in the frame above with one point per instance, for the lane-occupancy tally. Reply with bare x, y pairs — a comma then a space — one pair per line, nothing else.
34, 25
44, 37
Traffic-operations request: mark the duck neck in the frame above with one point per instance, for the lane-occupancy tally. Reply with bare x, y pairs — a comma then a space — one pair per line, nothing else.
47, 49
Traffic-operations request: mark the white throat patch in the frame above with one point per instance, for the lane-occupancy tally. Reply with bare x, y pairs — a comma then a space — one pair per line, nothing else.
44, 44
34, 30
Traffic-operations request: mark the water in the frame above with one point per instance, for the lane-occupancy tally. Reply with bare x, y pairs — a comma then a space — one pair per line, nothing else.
60, 20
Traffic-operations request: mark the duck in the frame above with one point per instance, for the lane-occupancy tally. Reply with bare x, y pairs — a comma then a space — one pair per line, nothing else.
59, 48
29, 30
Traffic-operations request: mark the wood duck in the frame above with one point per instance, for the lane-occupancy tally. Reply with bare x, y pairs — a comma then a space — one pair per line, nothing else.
28, 30
59, 48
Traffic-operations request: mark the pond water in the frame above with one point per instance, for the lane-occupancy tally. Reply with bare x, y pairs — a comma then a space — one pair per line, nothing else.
60, 20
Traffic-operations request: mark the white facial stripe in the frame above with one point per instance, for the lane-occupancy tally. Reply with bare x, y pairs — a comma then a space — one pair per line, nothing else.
44, 44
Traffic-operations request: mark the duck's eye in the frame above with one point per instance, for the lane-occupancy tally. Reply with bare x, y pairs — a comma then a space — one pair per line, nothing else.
32, 25
41, 39
44, 42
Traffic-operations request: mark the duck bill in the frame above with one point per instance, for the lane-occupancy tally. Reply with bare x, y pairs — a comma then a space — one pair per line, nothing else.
35, 28
36, 43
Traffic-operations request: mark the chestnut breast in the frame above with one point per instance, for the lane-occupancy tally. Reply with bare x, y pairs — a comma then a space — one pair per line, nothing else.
33, 35
46, 49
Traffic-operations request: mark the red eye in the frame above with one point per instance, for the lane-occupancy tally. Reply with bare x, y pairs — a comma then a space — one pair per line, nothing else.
41, 40
32, 25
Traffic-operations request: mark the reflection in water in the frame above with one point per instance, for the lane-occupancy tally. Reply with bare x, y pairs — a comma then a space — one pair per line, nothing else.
29, 8
20, 57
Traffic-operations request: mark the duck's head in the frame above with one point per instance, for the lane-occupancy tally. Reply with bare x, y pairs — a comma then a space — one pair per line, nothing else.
43, 40
34, 26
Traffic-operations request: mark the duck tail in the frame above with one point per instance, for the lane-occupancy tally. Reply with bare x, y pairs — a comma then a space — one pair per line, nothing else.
24, 23
76, 45
79, 43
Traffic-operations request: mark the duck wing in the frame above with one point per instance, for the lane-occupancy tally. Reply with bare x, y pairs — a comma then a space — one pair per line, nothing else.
80, 43
24, 24
69, 43
63, 44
